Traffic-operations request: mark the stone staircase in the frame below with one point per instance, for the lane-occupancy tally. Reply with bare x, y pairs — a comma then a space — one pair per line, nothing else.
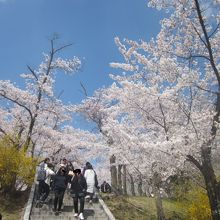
94, 211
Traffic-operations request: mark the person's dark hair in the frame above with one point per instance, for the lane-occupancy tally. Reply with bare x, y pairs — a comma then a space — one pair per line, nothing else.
88, 165
62, 170
50, 165
46, 159
77, 171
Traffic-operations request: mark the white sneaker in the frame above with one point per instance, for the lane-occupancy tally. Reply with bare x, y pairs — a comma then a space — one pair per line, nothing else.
87, 197
81, 217
75, 215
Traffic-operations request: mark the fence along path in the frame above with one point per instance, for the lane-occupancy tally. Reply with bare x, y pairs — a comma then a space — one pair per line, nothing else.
97, 211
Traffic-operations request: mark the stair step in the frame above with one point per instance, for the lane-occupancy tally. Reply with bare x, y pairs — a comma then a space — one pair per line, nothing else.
91, 211
61, 217
66, 214
53, 218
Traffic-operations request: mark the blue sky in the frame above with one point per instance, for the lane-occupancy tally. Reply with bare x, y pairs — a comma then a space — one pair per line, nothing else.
91, 25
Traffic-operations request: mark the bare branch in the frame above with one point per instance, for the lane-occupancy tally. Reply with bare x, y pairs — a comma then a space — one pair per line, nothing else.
206, 90
52, 46
32, 71
61, 48
60, 94
84, 89
199, 56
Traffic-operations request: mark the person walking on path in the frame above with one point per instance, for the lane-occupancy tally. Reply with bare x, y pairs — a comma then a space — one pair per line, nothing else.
91, 180
59, 184
43, 173
78, 191
49, 173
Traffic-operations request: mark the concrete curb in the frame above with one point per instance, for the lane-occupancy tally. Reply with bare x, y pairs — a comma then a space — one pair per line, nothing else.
106, 209
29, 203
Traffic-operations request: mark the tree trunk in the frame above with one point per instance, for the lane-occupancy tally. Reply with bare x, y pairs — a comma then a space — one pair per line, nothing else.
140, 190
119, 179
208, 174
132, 185
159, 206
206, 168
147, 190
158, 200
210, 182
113, 171
124, 180
145, 193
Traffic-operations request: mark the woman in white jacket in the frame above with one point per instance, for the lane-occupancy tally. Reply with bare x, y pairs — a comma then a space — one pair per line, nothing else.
91, 180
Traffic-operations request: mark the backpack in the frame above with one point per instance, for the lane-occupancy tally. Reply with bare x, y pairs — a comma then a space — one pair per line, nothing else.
41, 173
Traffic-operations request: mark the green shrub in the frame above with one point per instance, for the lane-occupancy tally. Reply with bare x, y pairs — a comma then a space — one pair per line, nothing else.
14, 165
198, 208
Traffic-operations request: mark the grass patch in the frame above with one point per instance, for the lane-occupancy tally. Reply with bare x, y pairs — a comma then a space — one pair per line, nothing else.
12, 207
143, 208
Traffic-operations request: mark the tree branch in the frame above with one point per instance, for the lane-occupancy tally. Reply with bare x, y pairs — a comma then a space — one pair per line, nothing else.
32, 71
206, 90
84, 89
214, 30
15, 101
164, 119
61, 48
191, 159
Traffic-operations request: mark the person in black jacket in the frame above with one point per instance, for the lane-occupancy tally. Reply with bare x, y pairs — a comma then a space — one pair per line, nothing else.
59, 184
105, 187
78, 192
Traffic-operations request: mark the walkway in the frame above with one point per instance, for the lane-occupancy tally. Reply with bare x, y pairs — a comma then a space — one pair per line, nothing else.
91, 212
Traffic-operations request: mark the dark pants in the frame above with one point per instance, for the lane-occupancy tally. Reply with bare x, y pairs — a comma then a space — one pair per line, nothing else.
81, 202
59, 194
43, 190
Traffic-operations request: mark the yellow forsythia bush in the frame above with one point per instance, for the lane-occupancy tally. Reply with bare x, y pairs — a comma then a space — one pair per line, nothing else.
15, 165
198, 208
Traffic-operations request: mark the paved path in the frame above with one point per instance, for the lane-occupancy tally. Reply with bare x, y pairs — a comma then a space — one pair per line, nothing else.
91, 212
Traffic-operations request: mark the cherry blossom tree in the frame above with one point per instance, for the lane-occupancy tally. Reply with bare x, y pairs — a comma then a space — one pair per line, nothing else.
27, 111
39, 122
132, 143
178, 74
168, 95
